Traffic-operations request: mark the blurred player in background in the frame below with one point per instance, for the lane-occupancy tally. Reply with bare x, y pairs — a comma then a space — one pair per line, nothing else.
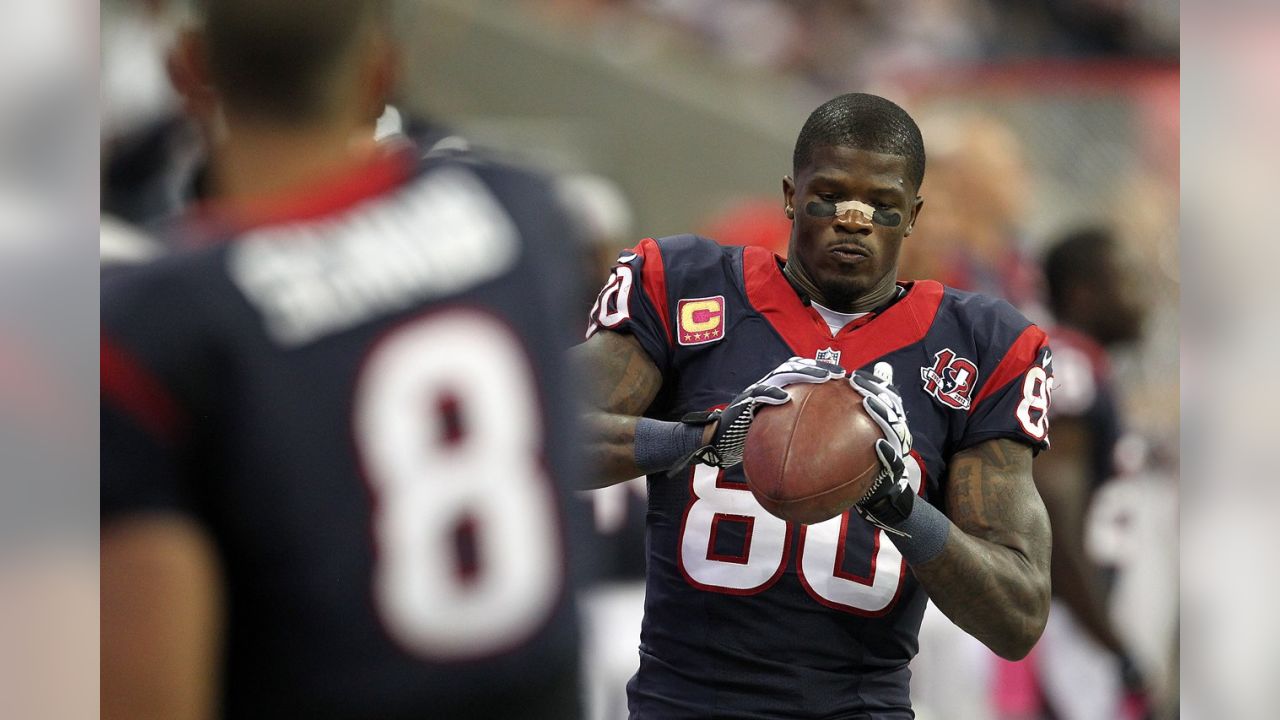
1097, 298
1082, 665
747, 615
603, 215
335, 427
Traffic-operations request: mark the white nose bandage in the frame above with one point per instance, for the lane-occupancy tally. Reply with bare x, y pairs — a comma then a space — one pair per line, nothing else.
864, 209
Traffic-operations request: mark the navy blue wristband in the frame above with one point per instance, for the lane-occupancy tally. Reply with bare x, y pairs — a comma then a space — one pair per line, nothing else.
928, 529
659, 445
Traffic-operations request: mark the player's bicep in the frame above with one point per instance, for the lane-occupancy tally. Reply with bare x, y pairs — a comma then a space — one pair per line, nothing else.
633, 302
991, 495
161, 618
621, 377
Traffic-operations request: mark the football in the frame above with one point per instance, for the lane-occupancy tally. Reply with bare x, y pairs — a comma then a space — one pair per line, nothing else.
810, 459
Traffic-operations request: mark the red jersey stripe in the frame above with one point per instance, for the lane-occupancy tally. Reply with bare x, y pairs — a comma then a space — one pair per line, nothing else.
903, 323
133, 389
655, 282
1021, 355
326, 196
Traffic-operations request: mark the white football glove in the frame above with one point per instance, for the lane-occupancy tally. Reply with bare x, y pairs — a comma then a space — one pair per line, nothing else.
725, 448
890, 499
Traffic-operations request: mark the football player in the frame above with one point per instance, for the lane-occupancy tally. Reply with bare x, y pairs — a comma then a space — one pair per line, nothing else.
1096, 299
750, 616
337, 426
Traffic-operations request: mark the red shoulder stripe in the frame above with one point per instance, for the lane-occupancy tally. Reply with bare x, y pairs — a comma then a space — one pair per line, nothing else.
1021, 355
655, 282
772, 296
134, 390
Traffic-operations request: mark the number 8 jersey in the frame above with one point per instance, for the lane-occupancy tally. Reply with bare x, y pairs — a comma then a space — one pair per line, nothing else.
747, 615
362, 399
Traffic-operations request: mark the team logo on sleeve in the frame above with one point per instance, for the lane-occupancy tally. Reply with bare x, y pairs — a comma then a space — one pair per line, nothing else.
830, 355
950, 380
701, 320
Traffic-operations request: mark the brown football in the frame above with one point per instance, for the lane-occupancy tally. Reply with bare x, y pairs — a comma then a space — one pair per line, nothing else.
810, 459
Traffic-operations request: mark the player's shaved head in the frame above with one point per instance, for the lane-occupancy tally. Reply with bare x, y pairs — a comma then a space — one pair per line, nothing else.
866, 122
277, 59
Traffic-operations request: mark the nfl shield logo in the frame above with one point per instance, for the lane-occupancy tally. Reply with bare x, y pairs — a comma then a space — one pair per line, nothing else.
829, 355
884, 371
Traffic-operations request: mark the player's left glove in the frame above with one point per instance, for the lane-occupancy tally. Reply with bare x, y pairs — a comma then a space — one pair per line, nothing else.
890, 499
726, 446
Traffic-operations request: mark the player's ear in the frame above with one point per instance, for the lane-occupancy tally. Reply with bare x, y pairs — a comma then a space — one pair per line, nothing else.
788, 195
915, 215
188, 67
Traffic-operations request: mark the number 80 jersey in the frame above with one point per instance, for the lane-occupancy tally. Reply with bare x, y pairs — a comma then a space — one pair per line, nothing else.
747, 615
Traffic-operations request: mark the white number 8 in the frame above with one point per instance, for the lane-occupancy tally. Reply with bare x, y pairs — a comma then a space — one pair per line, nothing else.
468, 547
1035, 396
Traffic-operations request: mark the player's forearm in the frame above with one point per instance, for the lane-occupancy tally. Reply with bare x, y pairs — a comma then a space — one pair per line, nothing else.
622, 381
995, 593
991, 575
624, 446
611, 448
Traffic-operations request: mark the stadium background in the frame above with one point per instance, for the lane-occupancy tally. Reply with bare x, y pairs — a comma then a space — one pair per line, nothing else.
680, 116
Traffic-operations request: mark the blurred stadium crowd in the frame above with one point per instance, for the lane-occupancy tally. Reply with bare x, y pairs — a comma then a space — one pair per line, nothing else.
889, 38
1042, 120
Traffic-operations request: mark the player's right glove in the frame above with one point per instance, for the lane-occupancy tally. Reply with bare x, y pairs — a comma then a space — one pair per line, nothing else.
890, 499
733, 422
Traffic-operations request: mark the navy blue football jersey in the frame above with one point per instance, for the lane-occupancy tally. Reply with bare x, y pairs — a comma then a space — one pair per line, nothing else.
363, 398
747, 615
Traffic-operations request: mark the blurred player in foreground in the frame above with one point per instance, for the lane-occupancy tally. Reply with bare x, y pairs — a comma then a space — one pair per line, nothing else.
749, 616
156, 167
1095, 296
335, 429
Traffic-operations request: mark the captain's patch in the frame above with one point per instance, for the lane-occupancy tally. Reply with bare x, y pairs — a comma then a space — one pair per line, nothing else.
701, 320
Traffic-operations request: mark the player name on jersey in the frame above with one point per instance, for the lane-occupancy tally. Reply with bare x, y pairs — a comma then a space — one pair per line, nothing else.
314, 279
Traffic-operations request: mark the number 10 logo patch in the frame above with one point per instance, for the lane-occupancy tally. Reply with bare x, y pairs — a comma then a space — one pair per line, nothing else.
950, 380
701, 320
